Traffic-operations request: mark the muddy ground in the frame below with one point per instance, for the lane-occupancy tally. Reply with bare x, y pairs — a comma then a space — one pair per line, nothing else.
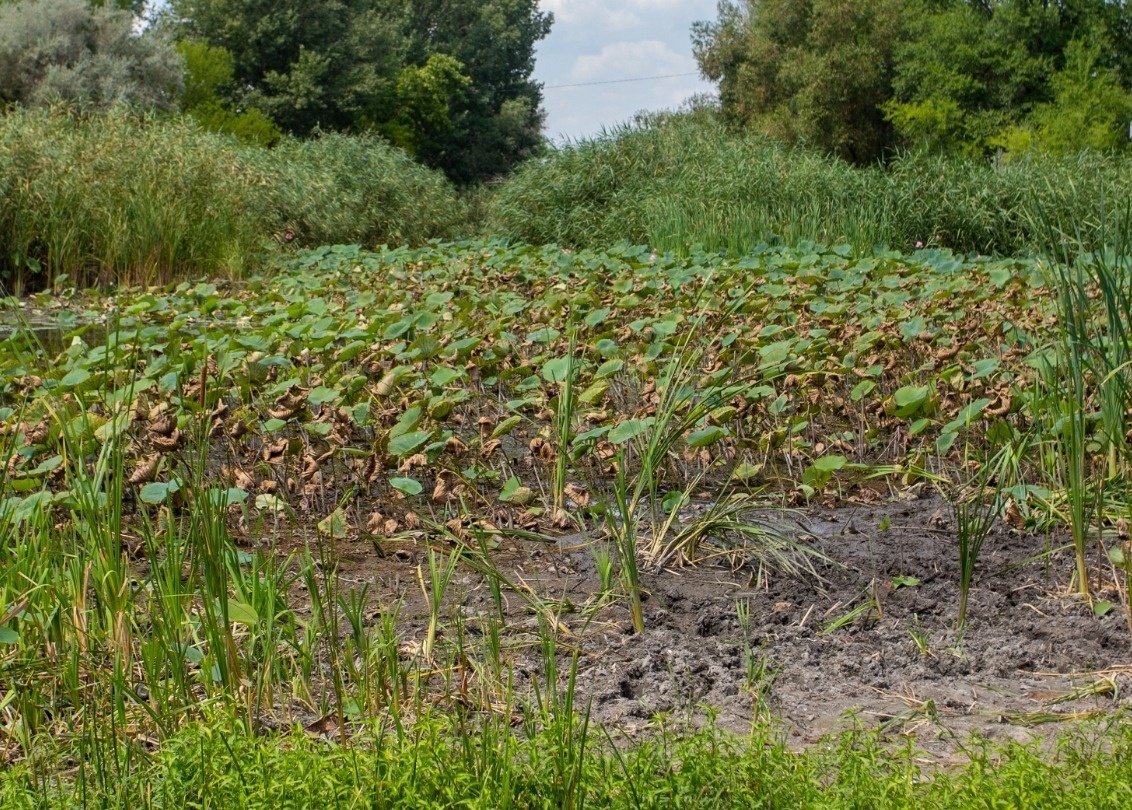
1033, 654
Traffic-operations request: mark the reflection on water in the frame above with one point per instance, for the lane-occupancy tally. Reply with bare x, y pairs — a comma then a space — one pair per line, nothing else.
51, 337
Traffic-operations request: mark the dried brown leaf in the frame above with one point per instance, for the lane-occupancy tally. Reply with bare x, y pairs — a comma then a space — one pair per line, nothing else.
243, 480
577, 494
441, 493
456, 526
490, 447
310, 467
274, 452
163, 426
167, 444
146, 470
560, 519
542, 449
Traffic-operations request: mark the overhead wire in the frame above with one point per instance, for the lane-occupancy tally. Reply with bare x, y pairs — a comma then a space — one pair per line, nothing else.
620, 81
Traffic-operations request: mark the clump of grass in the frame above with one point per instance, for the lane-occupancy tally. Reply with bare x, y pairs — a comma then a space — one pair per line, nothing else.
674, 181
343, 189
115, 198
976, 508
645, 448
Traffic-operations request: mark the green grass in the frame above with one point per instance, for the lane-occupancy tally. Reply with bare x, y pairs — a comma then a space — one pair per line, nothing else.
1087, 375
462, 762
676, 181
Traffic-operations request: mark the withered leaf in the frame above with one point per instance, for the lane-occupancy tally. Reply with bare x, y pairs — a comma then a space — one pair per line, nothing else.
414, 461
577, 494
490, 447
146, 470
274, 452
163, 426
167, 444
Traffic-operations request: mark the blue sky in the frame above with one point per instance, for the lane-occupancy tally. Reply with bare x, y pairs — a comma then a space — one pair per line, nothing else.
594, 41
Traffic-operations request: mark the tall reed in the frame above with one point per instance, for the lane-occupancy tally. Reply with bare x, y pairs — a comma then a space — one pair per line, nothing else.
674, 181
1092, 275
126, 200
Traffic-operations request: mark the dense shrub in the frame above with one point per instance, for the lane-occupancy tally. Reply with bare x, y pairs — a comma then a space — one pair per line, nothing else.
356, 189
676, 180
118, 198
89, 57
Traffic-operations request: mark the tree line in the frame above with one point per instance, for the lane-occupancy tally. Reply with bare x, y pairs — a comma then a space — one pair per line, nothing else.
865, 78
447, 80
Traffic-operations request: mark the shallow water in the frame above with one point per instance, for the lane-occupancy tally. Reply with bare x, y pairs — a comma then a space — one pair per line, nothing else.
52, 336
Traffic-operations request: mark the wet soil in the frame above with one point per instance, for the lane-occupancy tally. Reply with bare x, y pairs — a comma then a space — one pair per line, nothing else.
871, 643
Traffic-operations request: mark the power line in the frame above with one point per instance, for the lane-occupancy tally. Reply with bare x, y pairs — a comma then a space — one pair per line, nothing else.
619, 81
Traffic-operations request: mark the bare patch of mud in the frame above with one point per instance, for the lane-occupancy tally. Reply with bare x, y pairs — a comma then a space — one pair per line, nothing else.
872, 643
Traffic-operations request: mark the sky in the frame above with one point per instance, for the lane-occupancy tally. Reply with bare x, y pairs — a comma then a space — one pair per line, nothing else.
594, 41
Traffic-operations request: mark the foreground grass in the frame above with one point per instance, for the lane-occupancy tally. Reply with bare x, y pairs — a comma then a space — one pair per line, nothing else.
443, 763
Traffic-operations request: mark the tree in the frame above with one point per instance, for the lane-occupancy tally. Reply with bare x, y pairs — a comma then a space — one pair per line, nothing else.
448, 79
328, 65
1090, 108
423, 102
497, 122
135, 7
66, 51
972, 75
814, 71
862, 79
207, 97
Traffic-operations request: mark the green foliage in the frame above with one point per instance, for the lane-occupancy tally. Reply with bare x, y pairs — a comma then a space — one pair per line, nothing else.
67, 51
971, 77
448, 763
105, 197
450, 81
116, 198
962, 76
424, 99
308, 66
497, 123
1090, 108
340, 189
934, 125
135, 7
814, 72
209, 80
862, 79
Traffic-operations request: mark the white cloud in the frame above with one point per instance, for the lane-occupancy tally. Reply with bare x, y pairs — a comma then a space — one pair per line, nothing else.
630, 60
594, 41
653, 6
571, 10
602, 16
